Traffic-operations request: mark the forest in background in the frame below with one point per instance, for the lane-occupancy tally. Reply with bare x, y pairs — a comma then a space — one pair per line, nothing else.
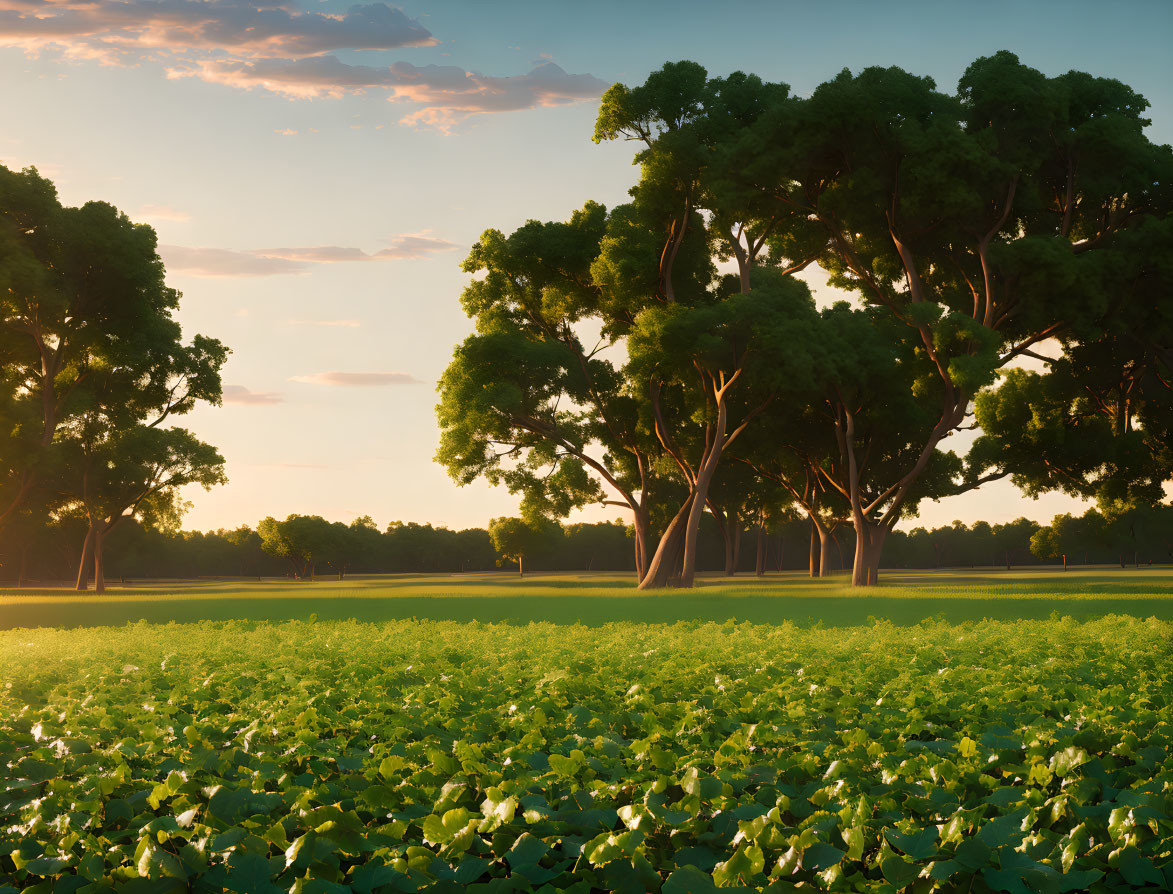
309, 546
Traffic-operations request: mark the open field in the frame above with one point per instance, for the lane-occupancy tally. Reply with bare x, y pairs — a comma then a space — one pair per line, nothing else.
904, 598
267, 750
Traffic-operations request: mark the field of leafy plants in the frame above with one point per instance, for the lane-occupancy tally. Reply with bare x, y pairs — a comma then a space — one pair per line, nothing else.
437, 756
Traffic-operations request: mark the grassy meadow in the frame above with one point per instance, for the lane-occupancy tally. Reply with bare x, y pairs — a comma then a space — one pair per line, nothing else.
954, 731
905, 597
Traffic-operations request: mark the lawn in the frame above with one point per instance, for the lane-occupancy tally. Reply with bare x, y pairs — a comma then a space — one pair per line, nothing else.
904, 598
316, 738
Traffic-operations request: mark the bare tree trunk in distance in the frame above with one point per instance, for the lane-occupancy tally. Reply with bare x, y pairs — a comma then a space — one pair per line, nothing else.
814, 550
521, 566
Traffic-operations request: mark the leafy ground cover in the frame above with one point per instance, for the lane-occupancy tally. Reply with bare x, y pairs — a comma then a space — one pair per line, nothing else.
592, 599
438, 756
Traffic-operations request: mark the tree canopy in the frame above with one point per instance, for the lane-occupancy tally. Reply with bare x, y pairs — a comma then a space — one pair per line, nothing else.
1021, 219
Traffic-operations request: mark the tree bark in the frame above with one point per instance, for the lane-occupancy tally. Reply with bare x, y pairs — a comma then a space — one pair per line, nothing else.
521, 566
641, 542
665, 564
825, 544
700, 494
99, 564
869, 544
814, 564
87, 551
1065, 561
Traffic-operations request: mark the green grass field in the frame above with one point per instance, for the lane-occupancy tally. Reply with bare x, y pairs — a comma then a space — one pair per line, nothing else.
393, 734
592, 599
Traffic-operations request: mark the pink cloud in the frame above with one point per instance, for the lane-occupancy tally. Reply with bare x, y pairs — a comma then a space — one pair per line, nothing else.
112, 28
281, 49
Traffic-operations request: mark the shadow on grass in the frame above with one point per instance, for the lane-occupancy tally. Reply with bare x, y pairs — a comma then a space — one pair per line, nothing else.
592, 610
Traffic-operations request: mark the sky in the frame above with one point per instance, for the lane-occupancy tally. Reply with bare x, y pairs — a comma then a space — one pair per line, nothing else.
317, 171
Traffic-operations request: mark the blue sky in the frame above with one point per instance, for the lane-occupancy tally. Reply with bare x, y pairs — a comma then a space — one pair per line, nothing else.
317, 172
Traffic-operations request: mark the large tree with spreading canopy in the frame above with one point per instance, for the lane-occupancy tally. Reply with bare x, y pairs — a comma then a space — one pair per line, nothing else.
1022, 219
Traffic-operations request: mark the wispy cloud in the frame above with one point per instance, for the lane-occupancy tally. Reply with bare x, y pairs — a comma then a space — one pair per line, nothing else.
224, 262
238, 394
163, 212
117, 31
276, 47
360, 379
449, 94
199, 261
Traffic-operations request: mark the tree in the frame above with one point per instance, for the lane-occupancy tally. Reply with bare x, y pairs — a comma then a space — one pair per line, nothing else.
1067, 535
82, 296
303, 540
514, 539
524, 401
977, 225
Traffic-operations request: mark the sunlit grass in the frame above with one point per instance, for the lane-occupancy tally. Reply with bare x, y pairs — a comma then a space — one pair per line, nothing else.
903, 598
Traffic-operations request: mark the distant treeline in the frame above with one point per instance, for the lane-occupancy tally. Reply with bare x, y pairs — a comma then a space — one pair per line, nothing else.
305, 546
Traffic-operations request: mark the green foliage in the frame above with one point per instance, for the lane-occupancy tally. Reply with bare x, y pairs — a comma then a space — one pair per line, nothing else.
433, 756
93, 359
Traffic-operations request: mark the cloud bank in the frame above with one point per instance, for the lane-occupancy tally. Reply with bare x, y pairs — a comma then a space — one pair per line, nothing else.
125, 31
199, 261
357, 379
284, 50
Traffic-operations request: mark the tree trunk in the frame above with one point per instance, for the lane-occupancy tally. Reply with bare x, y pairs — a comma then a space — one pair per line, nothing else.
99, 566
735, 524
696, 510
781, 551
814, 550
869, 544
1065, 561
760, 560
1007, 560
521, 566
641, 542
839, 550
665, 564
83, 568
824, 552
